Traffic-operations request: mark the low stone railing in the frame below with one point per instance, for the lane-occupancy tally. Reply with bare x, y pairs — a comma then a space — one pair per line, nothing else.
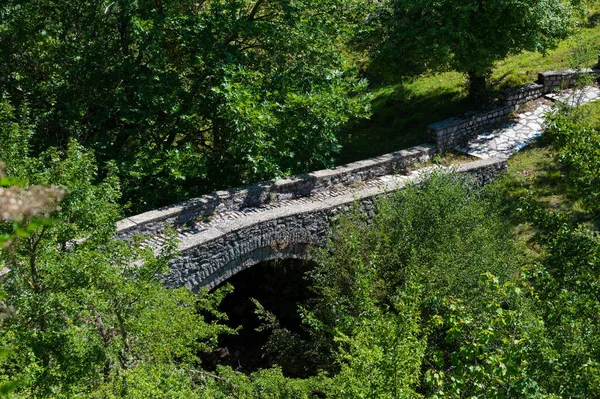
454, 132
213, 255
154, 222
446, 134
558, 80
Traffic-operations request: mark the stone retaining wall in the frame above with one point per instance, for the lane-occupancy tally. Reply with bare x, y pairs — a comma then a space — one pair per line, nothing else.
156, 221
518, 96
485, 170
560, 80
454, 132
215, 255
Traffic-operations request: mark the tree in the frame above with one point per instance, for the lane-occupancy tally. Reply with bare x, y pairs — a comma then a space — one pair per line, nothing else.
381, 284
437, 233
83, 315
566, 279
82, 311
186, 96
469, 36
405, 321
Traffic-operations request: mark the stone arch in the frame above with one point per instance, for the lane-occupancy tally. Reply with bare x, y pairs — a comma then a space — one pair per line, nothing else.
214, 261
211, 255
259, 255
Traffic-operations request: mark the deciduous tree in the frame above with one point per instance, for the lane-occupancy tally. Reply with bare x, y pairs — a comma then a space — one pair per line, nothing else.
186, 96
468, 36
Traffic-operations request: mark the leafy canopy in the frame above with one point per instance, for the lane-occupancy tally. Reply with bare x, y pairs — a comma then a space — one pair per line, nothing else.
185, 96
468, 36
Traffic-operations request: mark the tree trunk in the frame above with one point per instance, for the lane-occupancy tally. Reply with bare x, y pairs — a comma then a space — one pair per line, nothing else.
478, 89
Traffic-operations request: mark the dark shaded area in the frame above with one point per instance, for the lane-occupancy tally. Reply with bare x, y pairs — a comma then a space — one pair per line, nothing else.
280, 287
593, 20
400, 120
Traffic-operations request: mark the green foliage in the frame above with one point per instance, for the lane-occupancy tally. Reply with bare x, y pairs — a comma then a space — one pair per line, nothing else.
185, 96
569, 297
468, 36
486, 353
530, 332
264, 384
381, 356
438, 233
566, 280
579, 151
14, 136
382, 284
87, 310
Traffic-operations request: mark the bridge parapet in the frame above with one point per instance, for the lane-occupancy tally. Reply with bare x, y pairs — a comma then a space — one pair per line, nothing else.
227, 231
236, 199
211, 254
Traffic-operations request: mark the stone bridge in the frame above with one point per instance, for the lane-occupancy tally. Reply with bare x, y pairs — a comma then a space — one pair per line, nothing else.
228, 231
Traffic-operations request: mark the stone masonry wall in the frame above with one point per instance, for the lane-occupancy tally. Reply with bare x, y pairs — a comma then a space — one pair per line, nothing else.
518, 96
214, 256
156, 221
446, 134
454, 132
559, 80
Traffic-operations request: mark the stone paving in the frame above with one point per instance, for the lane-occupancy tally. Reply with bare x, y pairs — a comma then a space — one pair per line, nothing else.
526, 126
381, 183
501, 143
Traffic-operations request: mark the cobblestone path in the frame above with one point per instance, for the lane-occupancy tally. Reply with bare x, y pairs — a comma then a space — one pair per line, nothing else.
376, 185
526, 126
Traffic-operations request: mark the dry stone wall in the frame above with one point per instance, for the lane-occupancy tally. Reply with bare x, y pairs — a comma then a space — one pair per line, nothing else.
213, 256
518, 96
154, 222
560, 80
455, 132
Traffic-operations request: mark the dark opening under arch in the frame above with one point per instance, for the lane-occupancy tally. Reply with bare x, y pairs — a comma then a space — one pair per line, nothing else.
280, 286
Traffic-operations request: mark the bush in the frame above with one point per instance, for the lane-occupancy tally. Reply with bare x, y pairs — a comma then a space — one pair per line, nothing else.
579, 150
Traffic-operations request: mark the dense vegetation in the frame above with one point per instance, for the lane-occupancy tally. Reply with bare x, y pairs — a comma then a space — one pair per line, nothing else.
452, 291
184, 96
187, 97
466, 36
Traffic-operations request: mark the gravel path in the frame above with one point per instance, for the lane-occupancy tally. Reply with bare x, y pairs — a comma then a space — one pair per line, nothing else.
379, 184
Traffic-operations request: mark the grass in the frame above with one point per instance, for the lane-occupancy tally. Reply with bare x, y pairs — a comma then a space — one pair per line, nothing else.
450, 158
401, 114
403, 110
524, 67
536, 173
591, 114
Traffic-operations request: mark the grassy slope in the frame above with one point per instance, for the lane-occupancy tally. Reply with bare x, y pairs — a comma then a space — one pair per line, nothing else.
402, 111
535, 171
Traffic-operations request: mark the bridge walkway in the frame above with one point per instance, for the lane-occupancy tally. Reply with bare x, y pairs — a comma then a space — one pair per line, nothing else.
228, 231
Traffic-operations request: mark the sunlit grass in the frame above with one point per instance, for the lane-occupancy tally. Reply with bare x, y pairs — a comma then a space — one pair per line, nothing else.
523, 68
536, 173
403, 110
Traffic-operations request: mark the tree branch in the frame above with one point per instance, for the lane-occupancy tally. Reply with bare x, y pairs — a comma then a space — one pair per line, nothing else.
216, 377
255, 10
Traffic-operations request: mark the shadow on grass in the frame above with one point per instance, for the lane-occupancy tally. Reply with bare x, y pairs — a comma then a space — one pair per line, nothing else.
400, 118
